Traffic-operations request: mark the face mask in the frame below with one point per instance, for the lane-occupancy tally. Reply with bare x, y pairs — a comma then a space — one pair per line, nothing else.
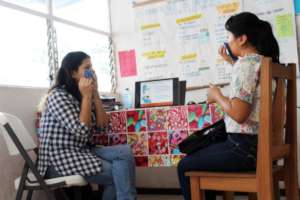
88, 73
229, 52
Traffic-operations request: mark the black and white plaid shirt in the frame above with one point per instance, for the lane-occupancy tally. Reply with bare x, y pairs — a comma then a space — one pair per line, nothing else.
64, 139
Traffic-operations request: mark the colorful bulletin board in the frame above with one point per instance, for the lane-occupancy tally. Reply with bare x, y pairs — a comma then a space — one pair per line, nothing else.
153, 133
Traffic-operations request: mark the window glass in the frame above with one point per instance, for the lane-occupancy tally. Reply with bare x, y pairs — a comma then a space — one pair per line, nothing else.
23, 49
93, 13
97, 46
38, 5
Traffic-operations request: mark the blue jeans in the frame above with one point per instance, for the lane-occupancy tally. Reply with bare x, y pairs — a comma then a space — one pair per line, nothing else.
118, 172
237, 153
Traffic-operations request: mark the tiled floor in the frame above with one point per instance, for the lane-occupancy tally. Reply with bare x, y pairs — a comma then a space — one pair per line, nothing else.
177, 197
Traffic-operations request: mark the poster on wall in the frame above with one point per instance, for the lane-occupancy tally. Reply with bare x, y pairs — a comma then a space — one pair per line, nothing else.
127, 63
154, 58
191, 34
181, 38
218, 15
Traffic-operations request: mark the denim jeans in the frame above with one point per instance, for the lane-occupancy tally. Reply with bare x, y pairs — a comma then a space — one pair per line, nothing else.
118, 173
236, 154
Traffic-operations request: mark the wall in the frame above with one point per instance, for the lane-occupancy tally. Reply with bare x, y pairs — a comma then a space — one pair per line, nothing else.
22, 103
122, 17
125, 38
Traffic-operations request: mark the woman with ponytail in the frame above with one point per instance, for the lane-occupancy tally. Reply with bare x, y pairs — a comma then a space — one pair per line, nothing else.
249, 39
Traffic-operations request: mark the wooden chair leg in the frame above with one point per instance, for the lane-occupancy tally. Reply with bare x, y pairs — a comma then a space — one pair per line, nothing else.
252, 196
276, 190
265, 188
291, 182
196, 192
265, 193
265, 182
228, 195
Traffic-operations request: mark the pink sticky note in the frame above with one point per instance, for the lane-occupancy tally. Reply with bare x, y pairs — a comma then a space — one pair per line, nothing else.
127, 63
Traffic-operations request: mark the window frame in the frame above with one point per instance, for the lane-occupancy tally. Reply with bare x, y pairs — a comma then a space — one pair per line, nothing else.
49, 16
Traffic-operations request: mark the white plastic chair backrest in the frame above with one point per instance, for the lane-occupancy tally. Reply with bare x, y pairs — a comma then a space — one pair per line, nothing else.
20, 131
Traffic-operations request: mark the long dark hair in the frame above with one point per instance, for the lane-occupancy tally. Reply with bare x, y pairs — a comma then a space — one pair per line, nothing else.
258, 32
64, 78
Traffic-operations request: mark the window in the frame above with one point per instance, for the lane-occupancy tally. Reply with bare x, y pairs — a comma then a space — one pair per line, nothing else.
23, 49
39, 5
95, 45
81, 25
93, 13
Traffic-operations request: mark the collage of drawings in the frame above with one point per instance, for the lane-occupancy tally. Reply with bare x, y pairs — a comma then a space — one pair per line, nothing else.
154, 133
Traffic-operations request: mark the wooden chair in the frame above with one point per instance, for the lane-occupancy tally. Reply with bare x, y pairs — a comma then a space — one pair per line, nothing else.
277, 140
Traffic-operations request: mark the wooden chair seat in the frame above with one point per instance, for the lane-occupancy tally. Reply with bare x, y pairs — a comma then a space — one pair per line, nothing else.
277, 170
222, 174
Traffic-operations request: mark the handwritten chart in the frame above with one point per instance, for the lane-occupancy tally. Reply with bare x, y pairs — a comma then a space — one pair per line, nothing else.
180, 38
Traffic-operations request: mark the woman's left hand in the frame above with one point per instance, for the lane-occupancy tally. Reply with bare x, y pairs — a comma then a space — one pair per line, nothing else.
212, 93
223, 54
95, 83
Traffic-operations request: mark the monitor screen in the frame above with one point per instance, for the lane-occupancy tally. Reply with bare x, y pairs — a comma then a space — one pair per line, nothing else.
163, 92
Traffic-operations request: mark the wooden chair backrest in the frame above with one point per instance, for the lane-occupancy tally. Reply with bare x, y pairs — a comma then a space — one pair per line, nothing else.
277, 132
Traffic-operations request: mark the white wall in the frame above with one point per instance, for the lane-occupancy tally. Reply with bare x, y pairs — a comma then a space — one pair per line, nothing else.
125, 38
22, 103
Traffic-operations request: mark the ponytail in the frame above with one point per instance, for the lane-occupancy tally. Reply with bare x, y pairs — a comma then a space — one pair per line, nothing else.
267, 44
259, 33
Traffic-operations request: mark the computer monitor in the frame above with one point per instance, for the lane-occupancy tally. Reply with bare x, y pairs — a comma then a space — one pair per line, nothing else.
161, 92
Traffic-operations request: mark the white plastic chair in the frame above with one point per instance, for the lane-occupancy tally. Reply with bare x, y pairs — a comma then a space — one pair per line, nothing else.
19, 141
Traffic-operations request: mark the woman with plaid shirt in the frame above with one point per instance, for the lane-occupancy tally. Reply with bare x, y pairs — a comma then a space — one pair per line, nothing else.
72, 110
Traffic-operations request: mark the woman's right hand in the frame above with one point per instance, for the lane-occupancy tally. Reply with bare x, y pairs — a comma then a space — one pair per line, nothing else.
86, 87
224, 55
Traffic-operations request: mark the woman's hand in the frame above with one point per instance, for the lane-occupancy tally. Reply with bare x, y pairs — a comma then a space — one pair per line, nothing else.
224, 55
95, 80
95, 83
212, 93
86, 87
101, 116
